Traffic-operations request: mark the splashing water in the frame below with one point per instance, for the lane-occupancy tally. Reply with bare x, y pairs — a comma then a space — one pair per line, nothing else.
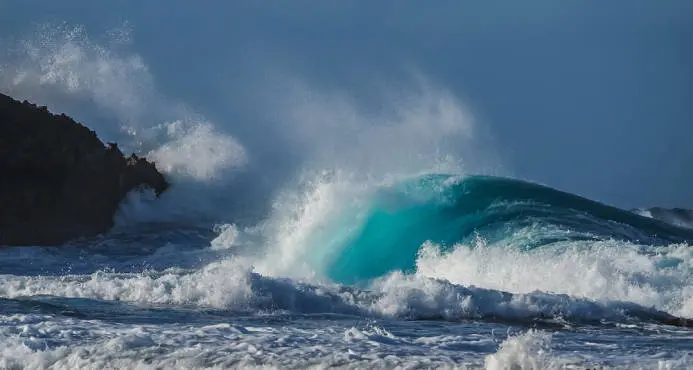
378, 250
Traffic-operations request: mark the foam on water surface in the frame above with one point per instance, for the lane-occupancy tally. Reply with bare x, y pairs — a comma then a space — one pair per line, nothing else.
357, 254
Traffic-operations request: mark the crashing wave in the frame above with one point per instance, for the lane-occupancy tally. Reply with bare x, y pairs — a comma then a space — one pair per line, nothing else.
368, 239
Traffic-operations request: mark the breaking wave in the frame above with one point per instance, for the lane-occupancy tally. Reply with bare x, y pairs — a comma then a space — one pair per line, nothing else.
356, 211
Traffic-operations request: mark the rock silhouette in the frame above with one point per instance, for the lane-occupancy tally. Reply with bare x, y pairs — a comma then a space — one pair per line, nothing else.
58, 181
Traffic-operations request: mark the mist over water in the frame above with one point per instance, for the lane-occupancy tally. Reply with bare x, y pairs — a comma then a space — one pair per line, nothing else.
568, 92
330, 225
418, 127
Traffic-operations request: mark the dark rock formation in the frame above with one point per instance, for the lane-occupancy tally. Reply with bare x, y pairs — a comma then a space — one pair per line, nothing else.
57, 179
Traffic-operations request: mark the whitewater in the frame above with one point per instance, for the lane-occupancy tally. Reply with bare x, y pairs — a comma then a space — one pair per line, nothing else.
380, 237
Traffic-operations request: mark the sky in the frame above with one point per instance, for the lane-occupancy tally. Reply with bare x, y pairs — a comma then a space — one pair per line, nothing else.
591, 97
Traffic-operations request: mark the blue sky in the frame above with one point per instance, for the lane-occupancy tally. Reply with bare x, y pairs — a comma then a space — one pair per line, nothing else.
587, 96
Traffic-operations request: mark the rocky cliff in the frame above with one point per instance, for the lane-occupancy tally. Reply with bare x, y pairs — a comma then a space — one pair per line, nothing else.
58, 181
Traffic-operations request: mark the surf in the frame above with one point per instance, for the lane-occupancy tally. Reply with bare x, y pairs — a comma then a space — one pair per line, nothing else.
385, 231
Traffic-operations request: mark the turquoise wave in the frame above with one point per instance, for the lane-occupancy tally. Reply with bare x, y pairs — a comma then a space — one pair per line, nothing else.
397, 220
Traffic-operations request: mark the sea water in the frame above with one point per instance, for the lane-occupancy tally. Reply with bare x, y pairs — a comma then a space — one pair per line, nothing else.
340, 251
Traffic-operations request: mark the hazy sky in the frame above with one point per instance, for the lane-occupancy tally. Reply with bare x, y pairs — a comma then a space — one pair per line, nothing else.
592, 97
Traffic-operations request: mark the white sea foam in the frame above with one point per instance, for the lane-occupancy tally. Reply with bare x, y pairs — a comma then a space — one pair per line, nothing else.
229, 285
347, 150
223, 284
601, 271
42, 341
527, 351
36, 342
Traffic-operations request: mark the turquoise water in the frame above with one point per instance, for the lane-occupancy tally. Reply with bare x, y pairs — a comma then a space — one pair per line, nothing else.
281, 245
524, 275
386, 234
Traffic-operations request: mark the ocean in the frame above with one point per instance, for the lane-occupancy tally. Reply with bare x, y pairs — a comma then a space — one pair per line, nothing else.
435, 271
333, 236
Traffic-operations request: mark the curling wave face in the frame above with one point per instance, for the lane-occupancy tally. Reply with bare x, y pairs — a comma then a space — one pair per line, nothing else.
176, 284
387, 232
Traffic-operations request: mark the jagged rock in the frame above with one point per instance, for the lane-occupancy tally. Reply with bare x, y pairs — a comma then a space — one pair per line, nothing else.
58, 181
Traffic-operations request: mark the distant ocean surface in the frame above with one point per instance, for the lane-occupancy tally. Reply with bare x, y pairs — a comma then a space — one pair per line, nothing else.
380, 250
